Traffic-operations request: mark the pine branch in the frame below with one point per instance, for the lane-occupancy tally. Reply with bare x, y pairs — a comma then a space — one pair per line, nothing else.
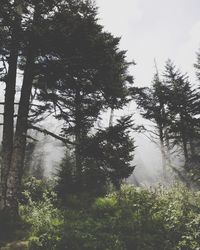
47, 132
30, 137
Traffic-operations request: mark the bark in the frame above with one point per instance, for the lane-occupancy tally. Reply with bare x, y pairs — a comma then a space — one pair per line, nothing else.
185, 151
111, 117
78, 136
168, 156
184, 140
19, 145
8, 130
162, 146
191, 140
192, 148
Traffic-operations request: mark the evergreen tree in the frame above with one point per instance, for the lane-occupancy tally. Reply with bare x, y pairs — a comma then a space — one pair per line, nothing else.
152, 103
86, 78
107, 159
183, 105
62, 51
26, 20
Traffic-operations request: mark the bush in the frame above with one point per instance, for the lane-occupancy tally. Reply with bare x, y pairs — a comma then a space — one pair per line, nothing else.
45, 219
34, 189
133, 218
137, 219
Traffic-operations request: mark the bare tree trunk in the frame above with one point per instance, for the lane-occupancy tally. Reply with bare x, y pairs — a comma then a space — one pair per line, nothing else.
8, 130
111, 117
162, 146
19, 145
168, 156
78, 136
192, 148
184, 138
191, 140
185, 151
184, 143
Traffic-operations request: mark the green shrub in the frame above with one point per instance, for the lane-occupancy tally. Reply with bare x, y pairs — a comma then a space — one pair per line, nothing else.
131, 219
45, 219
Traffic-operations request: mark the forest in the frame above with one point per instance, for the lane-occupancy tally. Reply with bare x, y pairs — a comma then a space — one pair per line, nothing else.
59, 66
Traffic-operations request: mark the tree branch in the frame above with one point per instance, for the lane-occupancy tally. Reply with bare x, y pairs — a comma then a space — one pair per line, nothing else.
4, 64
30, 137
47, 132
3, 103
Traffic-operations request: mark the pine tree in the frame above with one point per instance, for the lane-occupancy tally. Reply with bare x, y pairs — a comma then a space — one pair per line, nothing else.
62, 51
85, 79
152, 103
107, 159
29, 22
183, 107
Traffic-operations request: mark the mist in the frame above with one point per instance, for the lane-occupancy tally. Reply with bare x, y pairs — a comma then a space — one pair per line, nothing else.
145, 40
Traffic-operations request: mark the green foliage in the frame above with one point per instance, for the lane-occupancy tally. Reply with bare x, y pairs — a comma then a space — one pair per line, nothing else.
132, 218
44, 218
33, 189
106, 158
111, 150
78, 194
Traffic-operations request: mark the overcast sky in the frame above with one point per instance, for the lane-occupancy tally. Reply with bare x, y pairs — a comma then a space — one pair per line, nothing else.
151, 29
159, 29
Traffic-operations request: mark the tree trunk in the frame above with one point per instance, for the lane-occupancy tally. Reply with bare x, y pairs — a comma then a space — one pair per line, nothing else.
19, 145
78, 136
111, 117
191, 140
168, 155
162, 146
192, 148
184, 138
185, 151
7, 140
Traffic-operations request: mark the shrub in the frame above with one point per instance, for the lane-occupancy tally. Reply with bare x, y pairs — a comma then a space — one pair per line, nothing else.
131, 219
45, 219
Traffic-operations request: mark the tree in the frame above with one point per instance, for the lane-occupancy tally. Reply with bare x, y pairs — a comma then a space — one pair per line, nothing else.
173, 105
10, 18
183, 105
85, 78
30, 18
64, 70
107, 159
152, 103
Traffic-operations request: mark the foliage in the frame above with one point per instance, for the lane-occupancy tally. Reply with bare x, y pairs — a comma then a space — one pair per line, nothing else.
112, 151
172, 104
132, 218
44, 218
70, 190
34, 189
106, 160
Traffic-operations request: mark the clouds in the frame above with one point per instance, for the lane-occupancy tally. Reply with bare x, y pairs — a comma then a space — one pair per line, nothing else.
186, 54
154, 29
118, 16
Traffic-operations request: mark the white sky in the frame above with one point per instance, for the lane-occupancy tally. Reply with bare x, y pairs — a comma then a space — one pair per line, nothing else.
159, 29
151, 29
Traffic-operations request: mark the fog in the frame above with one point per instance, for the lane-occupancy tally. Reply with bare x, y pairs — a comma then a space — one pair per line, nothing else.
149, 29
